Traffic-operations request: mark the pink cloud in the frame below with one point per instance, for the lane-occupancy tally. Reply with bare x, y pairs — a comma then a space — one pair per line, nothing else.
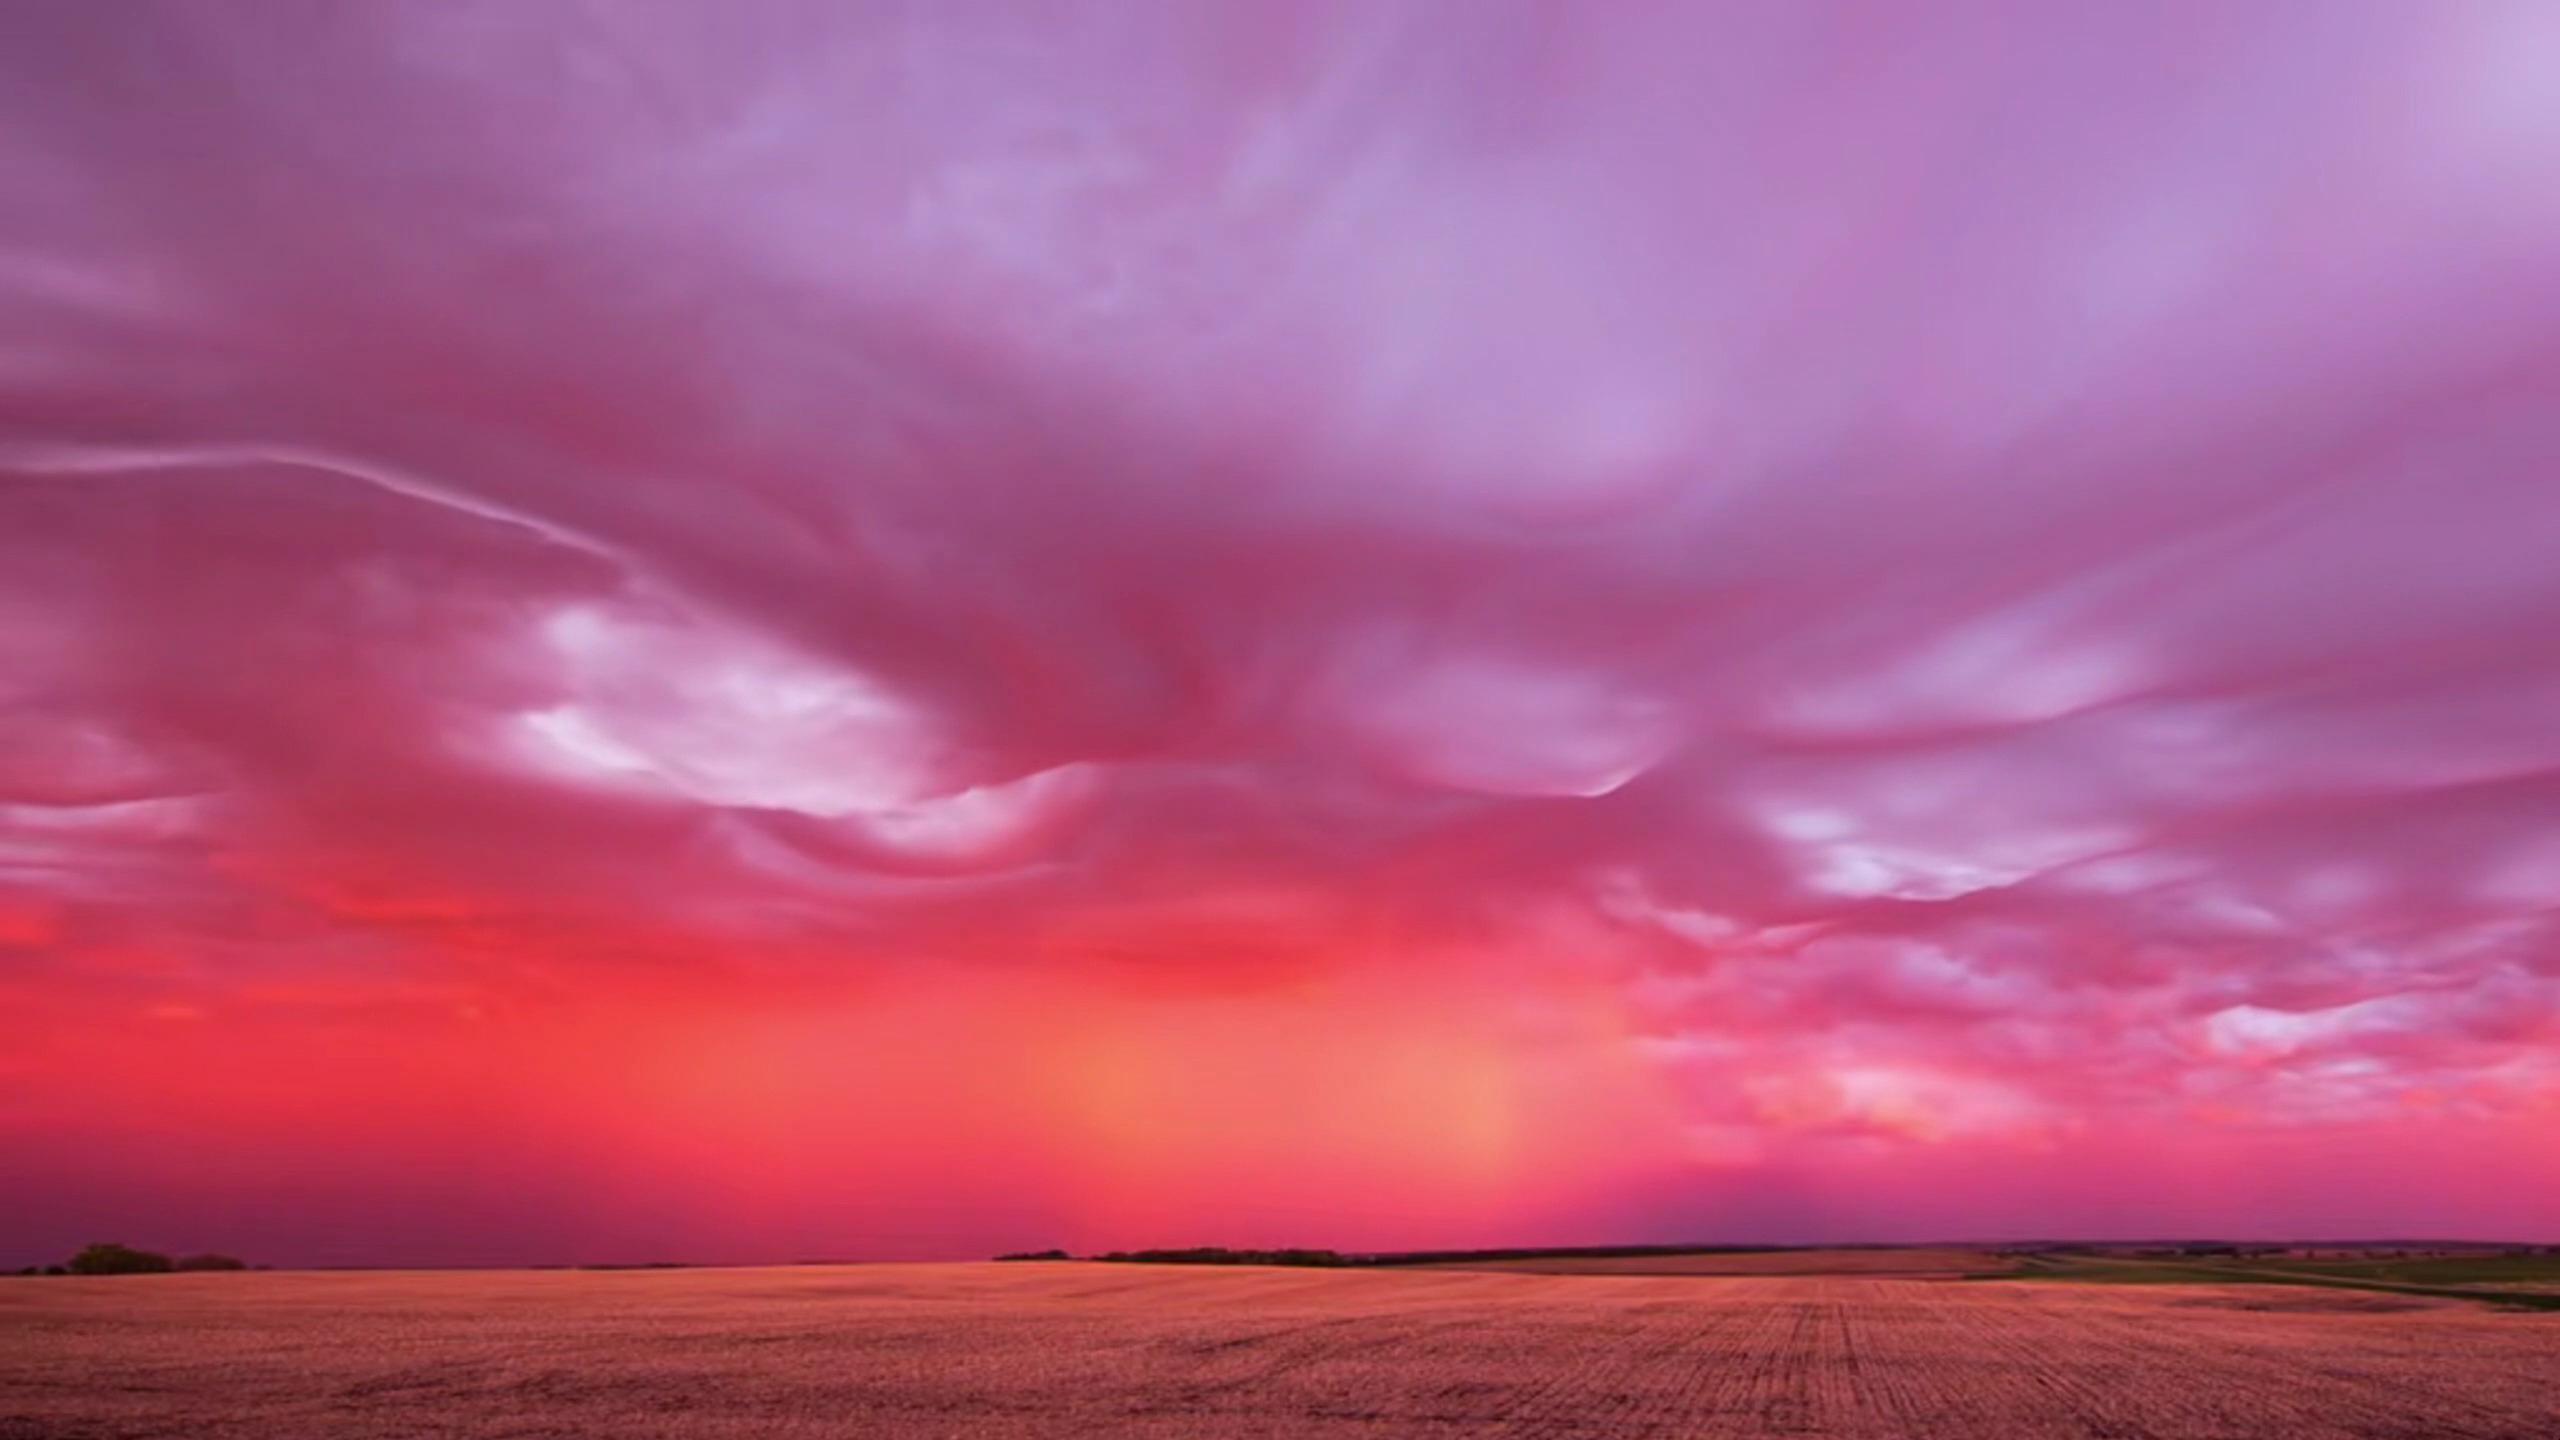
1831, 593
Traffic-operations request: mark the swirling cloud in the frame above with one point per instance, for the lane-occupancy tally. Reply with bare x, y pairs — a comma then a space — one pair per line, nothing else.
1740, 610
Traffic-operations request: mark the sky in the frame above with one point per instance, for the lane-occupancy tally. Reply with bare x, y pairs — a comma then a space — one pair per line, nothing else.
661, 631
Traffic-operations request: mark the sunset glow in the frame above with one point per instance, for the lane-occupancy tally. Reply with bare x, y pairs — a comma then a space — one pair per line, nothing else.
668, 631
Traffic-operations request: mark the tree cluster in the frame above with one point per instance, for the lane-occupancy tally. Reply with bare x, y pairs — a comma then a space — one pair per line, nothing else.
106, 1258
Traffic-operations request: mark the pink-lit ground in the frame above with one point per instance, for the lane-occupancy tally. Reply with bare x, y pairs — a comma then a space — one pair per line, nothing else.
1024, 1351
639, 631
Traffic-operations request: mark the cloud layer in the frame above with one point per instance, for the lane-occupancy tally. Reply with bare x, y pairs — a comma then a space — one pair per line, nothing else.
1362, 622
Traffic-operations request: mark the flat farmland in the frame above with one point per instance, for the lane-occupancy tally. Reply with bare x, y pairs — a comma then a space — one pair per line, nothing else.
1935, 1262
1072, 1349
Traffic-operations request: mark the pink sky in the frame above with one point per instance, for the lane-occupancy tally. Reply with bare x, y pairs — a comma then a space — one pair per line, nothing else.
674, 631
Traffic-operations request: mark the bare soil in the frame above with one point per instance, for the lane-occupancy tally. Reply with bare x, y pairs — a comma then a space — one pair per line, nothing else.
1918, 1261
1071, 1349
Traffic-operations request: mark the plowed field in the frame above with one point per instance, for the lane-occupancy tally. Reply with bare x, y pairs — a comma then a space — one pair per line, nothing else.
1932, 1262
1096, 1350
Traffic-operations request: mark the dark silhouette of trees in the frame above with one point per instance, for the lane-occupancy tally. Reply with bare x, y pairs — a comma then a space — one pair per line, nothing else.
110, 1259
1221, 1255
210, 1262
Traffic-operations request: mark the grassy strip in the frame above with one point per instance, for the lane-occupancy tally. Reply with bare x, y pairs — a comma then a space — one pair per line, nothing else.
2171, 1272
2429, 1270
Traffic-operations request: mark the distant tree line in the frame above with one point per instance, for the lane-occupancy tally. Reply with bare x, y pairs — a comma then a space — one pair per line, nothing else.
1221, 1255
1574, 1252
111, 1259
1330, 1259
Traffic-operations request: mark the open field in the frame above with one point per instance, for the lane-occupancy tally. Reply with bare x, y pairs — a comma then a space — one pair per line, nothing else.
2539, 1272
1090, 1350
1932, 1262
2524, 1281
